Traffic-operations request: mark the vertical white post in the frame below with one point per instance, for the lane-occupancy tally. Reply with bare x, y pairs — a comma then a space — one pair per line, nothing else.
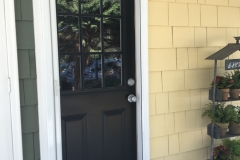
56, 79
6, 151
10, 117
45, 81
145, 82
141, 39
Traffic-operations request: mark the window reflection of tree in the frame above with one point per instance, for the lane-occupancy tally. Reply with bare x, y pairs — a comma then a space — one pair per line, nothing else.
91, 34
76, 73
112, 30
70, 72
92, 71
68, 34
67, 6
112, 70
69, 38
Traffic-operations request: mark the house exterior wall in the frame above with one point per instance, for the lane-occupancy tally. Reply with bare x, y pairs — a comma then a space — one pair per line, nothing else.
27, 79
182, 33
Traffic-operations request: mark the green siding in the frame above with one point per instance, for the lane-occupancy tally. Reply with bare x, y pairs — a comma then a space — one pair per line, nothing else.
27, 79
22, 101
24, 66
25, 35
27, 12
31, 146
30, 91
23, 10
27, 64
17, 9
29, 116
32, 64
36, 146
28, 146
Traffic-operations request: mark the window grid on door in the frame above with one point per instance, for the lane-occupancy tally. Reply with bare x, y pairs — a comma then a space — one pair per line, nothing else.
89, 44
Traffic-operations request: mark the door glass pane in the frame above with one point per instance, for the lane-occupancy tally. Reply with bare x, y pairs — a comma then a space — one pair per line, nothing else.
111, 7
112, 34
67, 6
90, 6
91, 41
113, 70
92, 69
68, 34
69, 72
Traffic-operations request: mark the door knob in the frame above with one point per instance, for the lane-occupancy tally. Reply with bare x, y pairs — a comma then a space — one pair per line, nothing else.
130, 82
132, 98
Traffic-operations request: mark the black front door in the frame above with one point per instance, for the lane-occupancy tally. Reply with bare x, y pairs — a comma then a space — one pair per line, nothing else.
96, 60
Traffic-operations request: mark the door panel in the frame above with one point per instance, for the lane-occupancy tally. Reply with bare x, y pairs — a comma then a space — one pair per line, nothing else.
96, 58
74, 136
108, 126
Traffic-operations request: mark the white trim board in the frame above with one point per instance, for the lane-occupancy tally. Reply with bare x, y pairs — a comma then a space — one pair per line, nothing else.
46, 103
48, 79
141, 40
10, 117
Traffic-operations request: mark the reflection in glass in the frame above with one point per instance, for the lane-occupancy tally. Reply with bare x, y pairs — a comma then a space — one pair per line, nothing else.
92, 68
90, 6
111, 7
112, 34
68, 34
113, 70
67, 6
69, 72
91, 40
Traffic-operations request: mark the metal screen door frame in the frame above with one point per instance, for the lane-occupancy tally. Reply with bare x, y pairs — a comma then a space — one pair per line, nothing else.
45, 34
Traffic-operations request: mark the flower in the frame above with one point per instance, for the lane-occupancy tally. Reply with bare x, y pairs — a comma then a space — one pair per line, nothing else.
223, 82
221, 153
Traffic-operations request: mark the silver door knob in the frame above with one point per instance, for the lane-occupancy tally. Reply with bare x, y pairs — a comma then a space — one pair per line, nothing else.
130, 82
132, 98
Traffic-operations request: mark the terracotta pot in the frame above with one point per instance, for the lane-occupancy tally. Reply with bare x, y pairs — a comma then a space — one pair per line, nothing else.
223, 128
234, 93
225, 93
234, 128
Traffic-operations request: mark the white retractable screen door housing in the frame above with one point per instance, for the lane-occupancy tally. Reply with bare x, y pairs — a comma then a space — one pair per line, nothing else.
10, 132
6, 151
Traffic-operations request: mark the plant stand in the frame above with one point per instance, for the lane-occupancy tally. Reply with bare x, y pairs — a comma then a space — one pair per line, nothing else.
214, 94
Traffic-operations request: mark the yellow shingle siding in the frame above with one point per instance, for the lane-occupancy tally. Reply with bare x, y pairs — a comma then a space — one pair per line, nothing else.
182, 33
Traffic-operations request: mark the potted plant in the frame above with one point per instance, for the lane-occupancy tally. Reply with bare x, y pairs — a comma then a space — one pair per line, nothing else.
224, 83
222, 116
221, 153
235, 88
233, 146
234, 126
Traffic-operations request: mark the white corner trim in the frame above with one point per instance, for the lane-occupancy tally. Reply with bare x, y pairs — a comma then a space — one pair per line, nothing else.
145, 81
6, 146
45, 82
141, 39
14, 79
56, 80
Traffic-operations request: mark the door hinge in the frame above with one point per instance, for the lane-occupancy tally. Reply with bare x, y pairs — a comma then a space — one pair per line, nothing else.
9, 85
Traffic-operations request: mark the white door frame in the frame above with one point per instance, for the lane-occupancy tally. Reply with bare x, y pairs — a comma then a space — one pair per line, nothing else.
45, 33
10, 117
